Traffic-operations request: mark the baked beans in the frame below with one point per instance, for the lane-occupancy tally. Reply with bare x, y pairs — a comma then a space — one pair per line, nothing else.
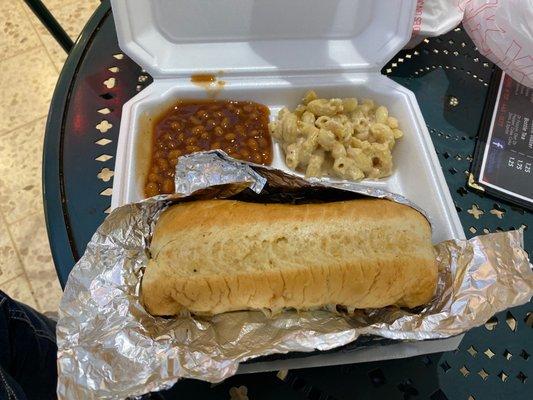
240, 128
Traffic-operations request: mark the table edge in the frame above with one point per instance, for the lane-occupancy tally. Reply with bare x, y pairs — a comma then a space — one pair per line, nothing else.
56, 217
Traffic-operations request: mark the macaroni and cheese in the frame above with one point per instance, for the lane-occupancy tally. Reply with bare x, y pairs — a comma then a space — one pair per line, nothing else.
339, 137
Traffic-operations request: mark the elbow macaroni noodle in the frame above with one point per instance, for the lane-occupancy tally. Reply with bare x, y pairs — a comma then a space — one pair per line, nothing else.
339, 137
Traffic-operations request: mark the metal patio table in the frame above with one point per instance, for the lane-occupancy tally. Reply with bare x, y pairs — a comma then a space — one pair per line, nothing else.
451, 82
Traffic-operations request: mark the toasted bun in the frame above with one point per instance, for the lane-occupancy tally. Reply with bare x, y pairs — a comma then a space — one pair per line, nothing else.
216, 256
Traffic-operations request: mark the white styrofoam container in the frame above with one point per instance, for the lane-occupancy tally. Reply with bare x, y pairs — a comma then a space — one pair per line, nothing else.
272, 52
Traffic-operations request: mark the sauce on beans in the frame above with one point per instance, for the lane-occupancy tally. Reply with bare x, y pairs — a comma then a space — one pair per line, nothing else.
240, 128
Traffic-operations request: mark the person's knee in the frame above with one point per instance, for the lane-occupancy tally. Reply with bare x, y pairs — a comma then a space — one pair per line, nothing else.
28, 350
9, 388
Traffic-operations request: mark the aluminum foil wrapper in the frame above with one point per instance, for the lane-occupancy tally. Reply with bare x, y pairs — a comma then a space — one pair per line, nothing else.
110, 347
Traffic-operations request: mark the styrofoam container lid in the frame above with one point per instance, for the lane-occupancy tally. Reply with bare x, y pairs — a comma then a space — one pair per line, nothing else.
183, 37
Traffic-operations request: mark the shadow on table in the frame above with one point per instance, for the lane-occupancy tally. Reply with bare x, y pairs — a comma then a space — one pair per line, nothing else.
416, 377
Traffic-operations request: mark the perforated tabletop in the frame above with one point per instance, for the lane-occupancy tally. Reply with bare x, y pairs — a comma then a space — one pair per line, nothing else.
450, 80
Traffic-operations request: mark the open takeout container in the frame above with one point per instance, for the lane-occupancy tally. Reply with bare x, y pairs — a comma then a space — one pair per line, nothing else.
272, 52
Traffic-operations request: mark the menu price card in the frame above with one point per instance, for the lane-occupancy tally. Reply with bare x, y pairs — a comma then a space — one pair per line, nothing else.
503, 161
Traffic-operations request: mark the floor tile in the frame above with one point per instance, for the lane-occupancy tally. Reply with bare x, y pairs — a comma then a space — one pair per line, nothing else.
27, 83
20, 171
31, 241
19, 289
53, 5
56, 52
19, 203
16, 33
21, 155
72, 16
9, 263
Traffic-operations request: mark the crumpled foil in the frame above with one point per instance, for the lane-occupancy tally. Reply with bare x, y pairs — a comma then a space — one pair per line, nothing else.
110, 347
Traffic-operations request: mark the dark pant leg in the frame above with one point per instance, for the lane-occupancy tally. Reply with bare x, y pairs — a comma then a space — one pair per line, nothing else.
28, 352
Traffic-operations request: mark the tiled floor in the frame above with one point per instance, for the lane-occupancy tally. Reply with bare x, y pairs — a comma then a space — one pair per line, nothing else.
30, 62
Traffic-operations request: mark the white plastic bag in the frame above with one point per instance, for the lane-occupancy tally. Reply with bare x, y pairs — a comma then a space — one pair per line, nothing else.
436, 17
502, 30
